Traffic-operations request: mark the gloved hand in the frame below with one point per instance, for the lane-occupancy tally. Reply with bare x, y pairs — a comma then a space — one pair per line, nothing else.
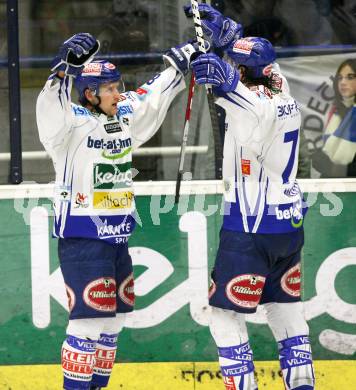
211, 69
180, 56
221, 31
74, 53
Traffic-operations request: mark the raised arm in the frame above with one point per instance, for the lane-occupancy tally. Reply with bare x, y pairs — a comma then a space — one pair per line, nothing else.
152, 100
53, 110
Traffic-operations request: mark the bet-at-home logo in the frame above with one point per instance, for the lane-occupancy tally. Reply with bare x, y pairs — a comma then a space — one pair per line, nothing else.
109, 176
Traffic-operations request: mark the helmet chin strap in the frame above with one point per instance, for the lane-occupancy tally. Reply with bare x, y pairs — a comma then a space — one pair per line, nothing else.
96, 107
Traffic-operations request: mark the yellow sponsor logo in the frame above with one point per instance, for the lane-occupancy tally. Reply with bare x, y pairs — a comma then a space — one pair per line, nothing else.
112, 200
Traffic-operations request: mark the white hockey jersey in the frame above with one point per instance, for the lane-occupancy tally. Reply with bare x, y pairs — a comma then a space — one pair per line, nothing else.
92, 154
260, 160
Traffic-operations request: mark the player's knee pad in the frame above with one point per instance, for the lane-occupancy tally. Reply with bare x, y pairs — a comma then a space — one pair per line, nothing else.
286, 319
227, 327
296, 363
86, 328
229, 331
114, 324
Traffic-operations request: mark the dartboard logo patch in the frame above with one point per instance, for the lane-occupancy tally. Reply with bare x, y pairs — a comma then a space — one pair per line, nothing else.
100, 294
71, 298
245, 290
290, 281
212, 289
126, 290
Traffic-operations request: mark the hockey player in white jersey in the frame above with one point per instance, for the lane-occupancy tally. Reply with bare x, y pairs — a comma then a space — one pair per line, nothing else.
91, 147
258, 260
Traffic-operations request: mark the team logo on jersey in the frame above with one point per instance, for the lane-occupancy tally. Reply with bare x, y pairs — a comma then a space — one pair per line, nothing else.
64, 193
109, 176
245, 290
110, 200
100, 294
245, 167
71, 297
290, 281
126, 290
81, 201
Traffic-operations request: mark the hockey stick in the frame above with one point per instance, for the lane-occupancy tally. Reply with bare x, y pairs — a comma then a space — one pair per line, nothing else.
213, 115
185, 136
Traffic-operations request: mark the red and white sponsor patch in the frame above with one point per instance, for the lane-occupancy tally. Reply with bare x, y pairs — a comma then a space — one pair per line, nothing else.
77, 365
141, 91
104, 360
212, 289
100, 294
246, 167
245, 290
71, 297
290, 281
243, 46
229, 383
92, 69
109, 65
127, 291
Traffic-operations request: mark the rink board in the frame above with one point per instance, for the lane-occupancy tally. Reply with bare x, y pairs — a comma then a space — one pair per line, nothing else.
330, 375
178, 244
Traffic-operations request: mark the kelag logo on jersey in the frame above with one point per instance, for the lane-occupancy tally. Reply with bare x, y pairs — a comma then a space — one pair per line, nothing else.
109, 176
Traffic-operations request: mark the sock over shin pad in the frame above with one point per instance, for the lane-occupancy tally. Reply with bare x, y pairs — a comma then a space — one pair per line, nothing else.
296, 363
104, 359
78, 357
237, 367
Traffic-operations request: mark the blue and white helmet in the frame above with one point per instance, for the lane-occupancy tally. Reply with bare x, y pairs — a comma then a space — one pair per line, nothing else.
257, 54
93, 75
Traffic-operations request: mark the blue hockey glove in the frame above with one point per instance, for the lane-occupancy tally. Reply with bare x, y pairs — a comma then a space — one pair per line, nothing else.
219, 30
180, 56
75, 53
211, 69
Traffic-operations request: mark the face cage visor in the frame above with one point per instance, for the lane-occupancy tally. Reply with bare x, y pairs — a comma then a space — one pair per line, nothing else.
97, 91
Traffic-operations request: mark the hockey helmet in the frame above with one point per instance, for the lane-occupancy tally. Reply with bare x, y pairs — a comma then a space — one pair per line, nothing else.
93, 75
257, 54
